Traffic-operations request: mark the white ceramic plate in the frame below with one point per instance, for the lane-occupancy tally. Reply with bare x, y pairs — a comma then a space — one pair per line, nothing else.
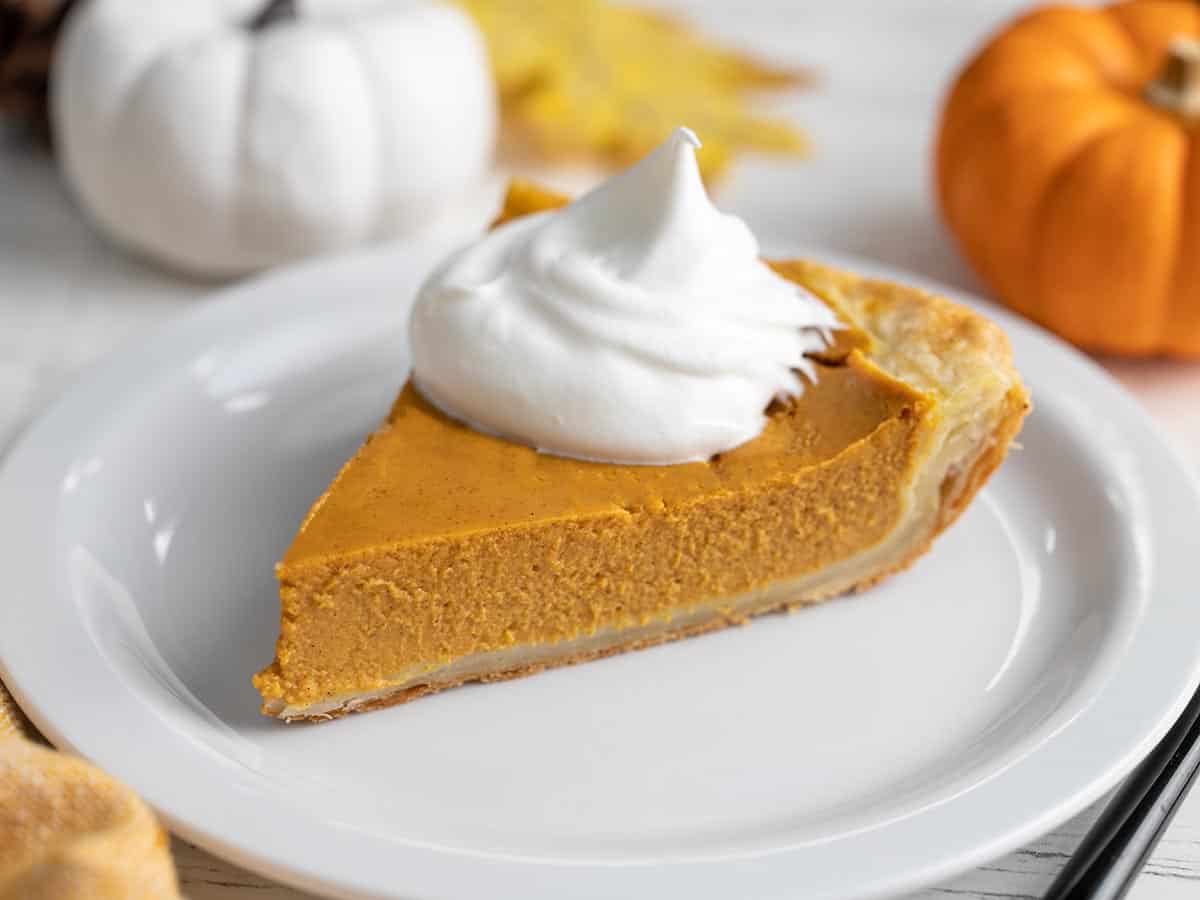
865, 747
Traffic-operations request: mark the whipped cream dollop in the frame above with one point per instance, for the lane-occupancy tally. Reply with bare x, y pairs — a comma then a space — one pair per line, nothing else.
636, 325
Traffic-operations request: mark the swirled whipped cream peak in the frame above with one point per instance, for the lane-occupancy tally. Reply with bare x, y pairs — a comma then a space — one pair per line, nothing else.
636, 325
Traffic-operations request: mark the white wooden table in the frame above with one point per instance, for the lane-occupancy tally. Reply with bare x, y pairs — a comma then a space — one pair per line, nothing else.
66, 298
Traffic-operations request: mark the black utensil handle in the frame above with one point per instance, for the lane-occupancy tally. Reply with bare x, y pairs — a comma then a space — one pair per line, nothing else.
1115, 848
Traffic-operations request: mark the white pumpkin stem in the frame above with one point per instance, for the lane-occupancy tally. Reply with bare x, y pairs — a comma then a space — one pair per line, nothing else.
274, 11
1177, 88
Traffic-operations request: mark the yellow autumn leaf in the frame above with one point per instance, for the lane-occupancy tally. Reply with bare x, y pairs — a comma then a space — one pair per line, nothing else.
589, 79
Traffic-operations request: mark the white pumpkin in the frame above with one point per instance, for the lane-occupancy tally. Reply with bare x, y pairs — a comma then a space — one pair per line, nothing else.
220, 140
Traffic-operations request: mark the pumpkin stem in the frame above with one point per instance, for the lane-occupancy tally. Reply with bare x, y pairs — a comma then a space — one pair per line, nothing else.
274, 11
1177, 88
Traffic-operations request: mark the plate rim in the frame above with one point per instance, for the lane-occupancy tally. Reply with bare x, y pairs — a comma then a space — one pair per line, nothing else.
441, 873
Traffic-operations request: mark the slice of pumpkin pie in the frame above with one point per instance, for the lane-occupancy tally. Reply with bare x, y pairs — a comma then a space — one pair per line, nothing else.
619, 433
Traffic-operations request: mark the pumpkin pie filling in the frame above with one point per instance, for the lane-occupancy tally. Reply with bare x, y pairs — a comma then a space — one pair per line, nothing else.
496, 546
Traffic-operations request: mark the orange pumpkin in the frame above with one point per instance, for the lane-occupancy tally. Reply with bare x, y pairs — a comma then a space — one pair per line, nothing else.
1068, 167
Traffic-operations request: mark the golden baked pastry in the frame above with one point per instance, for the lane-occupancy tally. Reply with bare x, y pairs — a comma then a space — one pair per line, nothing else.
441, 555
67, 830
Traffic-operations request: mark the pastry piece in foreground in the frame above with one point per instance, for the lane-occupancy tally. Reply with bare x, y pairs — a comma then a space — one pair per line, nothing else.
442, 554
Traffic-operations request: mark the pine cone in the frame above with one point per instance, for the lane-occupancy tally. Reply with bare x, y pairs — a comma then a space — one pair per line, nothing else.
28, 30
